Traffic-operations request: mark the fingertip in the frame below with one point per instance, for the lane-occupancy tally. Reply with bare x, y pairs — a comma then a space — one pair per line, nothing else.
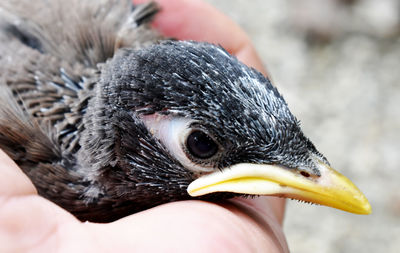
266, 214
197, 20
248, 55
200, 21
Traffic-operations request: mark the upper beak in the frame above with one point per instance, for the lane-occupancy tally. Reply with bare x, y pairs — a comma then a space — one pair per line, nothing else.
330, 189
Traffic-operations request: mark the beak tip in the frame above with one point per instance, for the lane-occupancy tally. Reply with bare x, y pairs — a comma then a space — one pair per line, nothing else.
360, 204
367, 209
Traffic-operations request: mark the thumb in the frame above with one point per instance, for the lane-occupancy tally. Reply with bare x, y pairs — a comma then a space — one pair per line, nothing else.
13, 182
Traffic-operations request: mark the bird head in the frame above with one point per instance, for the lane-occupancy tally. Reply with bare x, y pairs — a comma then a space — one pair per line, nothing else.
193, 120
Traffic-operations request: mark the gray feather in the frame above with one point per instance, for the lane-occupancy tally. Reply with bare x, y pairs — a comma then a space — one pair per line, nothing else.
87, 32
21, 135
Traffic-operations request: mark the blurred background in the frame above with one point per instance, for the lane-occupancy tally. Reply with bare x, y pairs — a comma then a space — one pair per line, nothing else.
337, 63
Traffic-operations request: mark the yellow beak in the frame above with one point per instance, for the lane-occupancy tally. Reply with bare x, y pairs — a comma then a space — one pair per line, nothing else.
330, 189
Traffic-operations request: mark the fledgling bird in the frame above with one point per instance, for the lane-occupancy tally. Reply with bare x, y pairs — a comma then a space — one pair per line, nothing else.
108, 118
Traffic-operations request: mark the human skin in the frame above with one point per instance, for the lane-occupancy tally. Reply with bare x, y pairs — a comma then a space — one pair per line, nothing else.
29, 222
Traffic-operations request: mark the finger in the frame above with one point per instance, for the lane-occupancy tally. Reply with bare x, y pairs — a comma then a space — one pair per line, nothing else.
27, 222
13, 182
261, 212
191, 226
197, 20
32, 223
265, 206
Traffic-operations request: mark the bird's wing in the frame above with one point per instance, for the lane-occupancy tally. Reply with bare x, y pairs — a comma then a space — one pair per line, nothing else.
49, 51
88, 32
21, 137
36, 151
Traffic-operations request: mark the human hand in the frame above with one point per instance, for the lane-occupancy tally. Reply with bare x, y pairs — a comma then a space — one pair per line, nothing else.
30, 222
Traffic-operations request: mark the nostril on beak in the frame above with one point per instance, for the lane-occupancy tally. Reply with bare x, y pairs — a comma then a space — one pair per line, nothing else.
305, 174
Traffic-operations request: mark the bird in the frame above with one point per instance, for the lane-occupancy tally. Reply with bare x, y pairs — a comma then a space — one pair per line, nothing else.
108, 117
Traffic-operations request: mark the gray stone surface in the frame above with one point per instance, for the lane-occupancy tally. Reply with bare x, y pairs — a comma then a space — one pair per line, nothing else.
338, 65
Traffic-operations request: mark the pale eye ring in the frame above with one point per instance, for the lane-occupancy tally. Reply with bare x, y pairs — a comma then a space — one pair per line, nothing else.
191, 149
200, 145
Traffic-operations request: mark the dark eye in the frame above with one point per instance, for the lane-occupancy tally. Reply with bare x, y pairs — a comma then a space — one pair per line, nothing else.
200, 145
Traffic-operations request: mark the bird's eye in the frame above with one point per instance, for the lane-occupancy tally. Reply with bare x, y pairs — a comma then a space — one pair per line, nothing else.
192, 147
200, 145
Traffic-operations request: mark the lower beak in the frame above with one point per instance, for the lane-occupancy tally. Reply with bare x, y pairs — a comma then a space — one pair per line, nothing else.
330, 188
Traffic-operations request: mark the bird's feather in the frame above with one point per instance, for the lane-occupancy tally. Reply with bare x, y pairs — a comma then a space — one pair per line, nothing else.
70, 38
21, 136
88, 32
